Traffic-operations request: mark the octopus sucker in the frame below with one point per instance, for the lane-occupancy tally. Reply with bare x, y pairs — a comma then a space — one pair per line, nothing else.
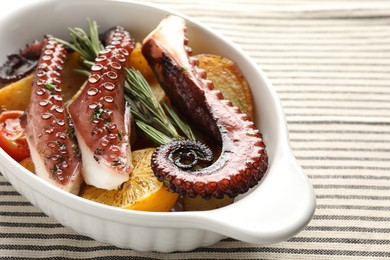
243, 159
53, 149
102, 118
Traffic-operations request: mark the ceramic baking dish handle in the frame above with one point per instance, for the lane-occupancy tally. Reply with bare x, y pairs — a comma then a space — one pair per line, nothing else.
281, 205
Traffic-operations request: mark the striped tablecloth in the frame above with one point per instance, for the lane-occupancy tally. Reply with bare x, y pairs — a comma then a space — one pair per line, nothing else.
329, 62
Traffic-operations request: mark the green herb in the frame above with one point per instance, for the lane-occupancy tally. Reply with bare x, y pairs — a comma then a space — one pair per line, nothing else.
97, 113
178, 123
70, 132
54, 171
143, 103
150, 116
61, 146
99, 151
88, 46
83, 72
50, 86
116, 162
154, 135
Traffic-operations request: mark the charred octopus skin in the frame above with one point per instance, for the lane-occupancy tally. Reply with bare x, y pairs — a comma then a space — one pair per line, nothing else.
49, 133
243, 159
101, 117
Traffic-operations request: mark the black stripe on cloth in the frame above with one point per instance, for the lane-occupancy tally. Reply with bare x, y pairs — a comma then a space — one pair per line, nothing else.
45, 236
23, 214
31, 225
59, 247
9, 193
15, 203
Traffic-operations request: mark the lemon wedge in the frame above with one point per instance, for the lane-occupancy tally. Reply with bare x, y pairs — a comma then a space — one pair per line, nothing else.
141, 192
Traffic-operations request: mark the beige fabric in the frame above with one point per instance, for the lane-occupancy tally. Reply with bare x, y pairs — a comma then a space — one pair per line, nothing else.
329, 62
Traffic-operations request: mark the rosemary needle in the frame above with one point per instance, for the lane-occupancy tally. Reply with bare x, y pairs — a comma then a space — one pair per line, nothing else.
154, 135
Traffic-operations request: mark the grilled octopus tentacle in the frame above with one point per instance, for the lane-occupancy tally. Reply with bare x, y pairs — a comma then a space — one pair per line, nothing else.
101, 117
20, 64
243, 159
53, 148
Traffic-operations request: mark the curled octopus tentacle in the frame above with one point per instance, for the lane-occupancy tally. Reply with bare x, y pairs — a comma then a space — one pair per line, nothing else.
19, 65
243, 159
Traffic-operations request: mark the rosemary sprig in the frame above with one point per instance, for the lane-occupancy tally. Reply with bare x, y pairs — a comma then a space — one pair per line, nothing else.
158, 122
87, 46
148, 110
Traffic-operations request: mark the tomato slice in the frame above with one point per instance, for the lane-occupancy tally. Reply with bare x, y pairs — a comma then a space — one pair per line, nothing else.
12, 135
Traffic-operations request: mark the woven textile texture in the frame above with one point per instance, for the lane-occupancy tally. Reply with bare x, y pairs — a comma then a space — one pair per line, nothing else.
329, 62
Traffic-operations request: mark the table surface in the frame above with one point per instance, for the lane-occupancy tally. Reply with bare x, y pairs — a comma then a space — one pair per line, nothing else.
329, 62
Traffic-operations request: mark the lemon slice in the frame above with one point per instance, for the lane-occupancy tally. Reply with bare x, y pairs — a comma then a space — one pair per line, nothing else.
141, 192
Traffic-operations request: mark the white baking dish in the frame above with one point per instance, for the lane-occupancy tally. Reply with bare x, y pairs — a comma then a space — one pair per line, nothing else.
276, 209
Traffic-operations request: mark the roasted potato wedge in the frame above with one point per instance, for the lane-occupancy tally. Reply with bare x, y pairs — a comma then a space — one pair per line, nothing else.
16, 96
138, 62
227, 78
